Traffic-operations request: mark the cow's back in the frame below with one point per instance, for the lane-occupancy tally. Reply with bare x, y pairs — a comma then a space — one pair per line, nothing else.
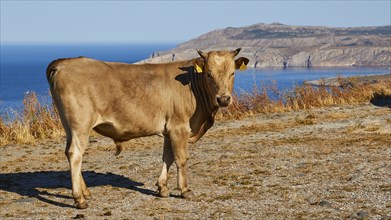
118, 100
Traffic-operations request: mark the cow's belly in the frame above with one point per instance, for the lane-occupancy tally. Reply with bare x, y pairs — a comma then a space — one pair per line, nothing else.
127, 131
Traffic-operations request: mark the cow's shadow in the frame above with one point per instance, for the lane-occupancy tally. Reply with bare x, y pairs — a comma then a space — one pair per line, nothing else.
32, 184
381, 100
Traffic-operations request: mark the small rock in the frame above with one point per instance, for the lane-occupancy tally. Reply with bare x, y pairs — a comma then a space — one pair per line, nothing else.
79, 216
324, 203
107, 213
223, 157
362, 215
312, 200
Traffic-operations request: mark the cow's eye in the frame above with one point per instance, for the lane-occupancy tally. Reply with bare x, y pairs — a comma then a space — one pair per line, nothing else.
232, 74
208, 75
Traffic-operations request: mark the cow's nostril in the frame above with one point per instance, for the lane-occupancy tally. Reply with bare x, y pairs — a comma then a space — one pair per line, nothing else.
223, 100
219, 100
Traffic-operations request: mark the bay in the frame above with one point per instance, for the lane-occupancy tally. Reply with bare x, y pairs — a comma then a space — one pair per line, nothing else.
287, 78
23, 68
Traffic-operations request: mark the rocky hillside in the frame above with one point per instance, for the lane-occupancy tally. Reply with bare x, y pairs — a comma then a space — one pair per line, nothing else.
278, 45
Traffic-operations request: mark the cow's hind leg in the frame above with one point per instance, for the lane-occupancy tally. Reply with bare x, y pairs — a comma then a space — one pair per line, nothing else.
168, 159
74, 152
179, 139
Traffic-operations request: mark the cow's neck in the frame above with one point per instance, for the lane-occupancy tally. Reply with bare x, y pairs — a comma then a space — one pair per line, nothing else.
205, 109
201, 93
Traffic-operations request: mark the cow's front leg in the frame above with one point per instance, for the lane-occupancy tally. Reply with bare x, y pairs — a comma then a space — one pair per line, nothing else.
85, 190
179, 139
168, 159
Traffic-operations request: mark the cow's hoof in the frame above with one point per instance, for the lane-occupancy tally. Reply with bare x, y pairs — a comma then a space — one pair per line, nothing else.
164, 193
87, 195
188, 194
83, 205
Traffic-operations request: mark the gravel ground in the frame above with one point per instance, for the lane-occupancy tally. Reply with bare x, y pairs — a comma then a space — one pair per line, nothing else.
329, 163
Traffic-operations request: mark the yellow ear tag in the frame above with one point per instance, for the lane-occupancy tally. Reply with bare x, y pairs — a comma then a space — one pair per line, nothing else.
243, 67
198, 69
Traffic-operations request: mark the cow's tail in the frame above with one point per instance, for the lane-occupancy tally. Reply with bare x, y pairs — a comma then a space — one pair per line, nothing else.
51, 71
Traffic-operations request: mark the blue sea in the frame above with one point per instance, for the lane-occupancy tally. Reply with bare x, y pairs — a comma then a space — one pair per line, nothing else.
23, 68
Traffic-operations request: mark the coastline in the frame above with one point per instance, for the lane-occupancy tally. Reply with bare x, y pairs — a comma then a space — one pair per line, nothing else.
335, 81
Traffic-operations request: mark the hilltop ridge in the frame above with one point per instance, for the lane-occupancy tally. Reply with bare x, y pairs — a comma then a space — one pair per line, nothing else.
279, 45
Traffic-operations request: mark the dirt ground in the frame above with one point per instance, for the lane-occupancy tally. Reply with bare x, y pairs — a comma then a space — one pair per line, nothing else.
329, 163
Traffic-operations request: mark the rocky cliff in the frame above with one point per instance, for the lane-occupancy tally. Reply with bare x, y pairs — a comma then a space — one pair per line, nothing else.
278, 45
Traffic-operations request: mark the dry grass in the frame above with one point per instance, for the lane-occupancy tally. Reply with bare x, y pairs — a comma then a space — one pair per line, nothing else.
305, 97
37, 121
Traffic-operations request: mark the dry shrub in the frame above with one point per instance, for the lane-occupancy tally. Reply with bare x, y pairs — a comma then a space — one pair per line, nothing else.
349, 91
254, 102
36, 121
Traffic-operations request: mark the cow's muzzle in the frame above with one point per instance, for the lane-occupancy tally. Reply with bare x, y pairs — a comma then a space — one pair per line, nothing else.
224, 100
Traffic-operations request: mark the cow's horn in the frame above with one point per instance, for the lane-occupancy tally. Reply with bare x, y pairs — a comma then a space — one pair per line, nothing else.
202, 54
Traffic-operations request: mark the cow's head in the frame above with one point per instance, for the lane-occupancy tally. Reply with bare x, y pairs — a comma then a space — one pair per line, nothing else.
219, 69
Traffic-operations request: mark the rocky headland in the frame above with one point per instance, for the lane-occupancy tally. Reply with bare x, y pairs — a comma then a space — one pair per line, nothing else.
279, 45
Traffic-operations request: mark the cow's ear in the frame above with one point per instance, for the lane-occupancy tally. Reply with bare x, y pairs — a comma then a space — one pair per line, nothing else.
199, 65
241, 63
236, 52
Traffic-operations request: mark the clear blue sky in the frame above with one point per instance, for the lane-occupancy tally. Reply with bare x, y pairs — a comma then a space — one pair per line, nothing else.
170, 21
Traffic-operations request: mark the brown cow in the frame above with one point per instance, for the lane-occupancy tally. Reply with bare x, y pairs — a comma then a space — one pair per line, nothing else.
177, 100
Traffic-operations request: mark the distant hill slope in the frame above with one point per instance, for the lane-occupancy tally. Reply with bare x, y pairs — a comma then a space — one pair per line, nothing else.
278, 45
